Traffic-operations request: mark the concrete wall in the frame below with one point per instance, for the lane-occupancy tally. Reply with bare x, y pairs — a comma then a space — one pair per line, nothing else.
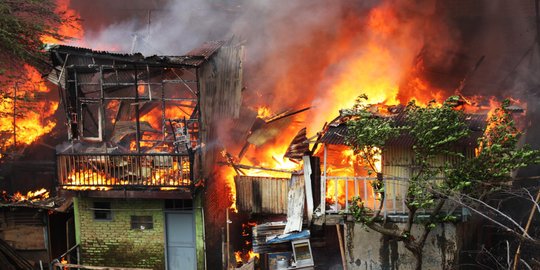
370, 250
113, 242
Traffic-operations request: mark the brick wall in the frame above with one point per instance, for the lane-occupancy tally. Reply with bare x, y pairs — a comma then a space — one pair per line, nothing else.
113, 242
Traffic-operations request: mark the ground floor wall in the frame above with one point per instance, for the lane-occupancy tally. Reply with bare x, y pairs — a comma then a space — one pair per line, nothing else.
367, 249
25, 230
112, 240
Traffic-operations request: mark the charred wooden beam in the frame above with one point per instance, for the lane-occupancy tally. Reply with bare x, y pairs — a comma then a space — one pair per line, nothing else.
298, 147
230, 162
287, 115
80, 266
249, 167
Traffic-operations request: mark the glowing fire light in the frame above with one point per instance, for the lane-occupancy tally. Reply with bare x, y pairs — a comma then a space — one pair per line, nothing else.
32, 196
64, 261
72, 30
263, 112
88, 179
30, 123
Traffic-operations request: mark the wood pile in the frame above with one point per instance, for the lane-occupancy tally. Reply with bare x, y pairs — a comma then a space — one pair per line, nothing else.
11, 260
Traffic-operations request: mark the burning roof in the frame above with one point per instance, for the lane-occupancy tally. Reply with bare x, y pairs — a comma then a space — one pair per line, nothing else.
193, 58
34, 199
337, 130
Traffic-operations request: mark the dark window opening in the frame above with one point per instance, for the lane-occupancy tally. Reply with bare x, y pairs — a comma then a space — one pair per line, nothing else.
179, 204
102, 211
142, 223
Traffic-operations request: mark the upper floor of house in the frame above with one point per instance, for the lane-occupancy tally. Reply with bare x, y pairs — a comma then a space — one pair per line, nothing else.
140, 123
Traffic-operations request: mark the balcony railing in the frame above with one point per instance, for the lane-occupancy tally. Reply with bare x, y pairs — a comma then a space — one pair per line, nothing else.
341, 189
123, 171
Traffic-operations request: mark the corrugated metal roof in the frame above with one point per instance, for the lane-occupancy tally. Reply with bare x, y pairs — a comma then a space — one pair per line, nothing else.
194, 58
336, 133
200, 54
299, 146
261, 195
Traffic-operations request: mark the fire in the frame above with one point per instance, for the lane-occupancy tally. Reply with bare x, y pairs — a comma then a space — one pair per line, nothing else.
263, 112
342, 161
27, 110
238, 256
72, 29
31, 196
228, 174
496, 116
64, 261
417, 88
165, 178
377, 67
89, 180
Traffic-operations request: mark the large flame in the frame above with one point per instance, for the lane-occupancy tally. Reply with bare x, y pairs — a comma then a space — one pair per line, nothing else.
26, 110
31, 196
72, 29
164, 178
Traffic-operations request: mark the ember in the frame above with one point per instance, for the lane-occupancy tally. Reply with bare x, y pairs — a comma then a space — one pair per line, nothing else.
30, 196
30, 111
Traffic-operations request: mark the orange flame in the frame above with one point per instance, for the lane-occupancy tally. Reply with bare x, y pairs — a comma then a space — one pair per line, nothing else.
263, 112
32, 196
72, 30
31, 107
88, 179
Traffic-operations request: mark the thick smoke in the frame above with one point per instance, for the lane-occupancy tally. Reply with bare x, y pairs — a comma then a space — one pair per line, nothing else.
304, 53
298, 51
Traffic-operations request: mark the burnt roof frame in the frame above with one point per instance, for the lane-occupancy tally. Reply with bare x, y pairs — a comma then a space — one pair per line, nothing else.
190, 63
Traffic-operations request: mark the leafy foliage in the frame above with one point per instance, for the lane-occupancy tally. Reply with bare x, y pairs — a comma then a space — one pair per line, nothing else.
438, 131
22, 25
497, 156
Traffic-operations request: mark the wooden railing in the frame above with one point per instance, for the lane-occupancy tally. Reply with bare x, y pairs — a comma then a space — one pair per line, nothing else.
341, 189
114, 171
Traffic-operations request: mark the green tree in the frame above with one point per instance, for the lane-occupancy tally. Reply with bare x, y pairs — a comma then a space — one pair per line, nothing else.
23, 26
437, 130
23, 23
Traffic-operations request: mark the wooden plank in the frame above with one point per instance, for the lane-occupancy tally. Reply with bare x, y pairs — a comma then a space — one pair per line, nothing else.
80, 266
308, 188
295, 209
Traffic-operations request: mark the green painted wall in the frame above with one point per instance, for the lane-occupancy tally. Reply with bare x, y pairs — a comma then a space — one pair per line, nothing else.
114, 243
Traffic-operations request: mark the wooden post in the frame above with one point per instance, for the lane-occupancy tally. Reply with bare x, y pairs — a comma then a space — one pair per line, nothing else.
228, 239
341, 248
323, 183
15, 115
308, 188
223, 247
531, 215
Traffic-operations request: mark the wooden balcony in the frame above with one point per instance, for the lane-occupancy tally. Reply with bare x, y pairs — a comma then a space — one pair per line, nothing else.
127, 172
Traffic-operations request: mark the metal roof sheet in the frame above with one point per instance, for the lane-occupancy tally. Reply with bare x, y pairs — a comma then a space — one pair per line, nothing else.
336, 134
194, 58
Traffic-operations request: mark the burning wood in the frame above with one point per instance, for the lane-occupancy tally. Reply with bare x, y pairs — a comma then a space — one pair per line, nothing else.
31, 196
298, 147
273, 126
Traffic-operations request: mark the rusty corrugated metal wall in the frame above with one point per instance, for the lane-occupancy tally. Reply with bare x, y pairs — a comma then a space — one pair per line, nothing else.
261, 195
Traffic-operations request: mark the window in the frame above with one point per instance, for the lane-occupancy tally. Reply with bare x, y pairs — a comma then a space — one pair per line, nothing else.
179, 204
142, 223
102, 211
302, 252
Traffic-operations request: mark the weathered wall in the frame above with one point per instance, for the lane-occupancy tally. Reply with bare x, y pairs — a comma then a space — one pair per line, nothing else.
220, 82
25, 230
367, 249
114, 243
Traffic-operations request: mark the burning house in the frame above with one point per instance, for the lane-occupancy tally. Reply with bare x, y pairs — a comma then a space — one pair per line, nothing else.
171, 160
139, 149
322, 189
